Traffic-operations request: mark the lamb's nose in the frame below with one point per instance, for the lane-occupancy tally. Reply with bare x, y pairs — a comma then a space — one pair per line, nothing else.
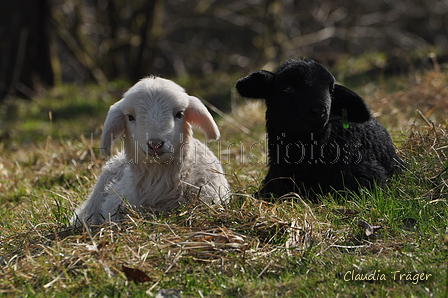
155, 145
319, 110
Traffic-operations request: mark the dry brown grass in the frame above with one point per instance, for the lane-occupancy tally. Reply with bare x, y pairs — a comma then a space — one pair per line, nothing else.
250, 248
426, 93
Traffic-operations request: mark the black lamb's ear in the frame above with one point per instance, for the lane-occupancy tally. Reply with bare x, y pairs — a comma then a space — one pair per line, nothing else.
354, 105
258, 84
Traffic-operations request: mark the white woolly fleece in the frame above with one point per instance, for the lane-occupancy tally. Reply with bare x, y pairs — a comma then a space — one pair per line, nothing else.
160, 165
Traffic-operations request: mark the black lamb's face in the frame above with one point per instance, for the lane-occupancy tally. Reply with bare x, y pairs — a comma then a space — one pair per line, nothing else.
302, 94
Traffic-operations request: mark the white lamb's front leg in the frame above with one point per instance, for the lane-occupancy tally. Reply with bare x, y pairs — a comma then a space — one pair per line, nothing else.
91, 209
120, 195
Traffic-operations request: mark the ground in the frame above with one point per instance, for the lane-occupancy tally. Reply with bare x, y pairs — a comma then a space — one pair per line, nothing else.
381, 243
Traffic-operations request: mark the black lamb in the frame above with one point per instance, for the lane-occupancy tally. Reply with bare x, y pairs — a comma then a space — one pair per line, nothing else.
321, 135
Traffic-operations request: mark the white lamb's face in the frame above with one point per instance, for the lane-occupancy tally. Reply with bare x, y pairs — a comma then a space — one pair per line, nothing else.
155, 125
154, 121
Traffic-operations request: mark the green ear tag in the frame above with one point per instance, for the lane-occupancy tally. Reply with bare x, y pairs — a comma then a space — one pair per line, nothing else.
344, 119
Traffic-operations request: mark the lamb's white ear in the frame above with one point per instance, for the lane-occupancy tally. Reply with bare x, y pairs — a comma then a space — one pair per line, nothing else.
197, 114
113, 127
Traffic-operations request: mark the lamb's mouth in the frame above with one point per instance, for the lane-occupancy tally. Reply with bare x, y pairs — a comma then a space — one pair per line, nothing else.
317, 124
155, 154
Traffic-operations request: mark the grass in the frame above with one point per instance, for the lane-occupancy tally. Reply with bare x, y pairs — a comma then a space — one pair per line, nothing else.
250, 248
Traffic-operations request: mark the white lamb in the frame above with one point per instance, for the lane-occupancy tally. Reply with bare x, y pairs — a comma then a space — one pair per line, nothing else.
161, 164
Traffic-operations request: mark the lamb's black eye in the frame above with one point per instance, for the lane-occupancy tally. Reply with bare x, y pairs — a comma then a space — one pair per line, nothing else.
130, 117
288, 89
180, 114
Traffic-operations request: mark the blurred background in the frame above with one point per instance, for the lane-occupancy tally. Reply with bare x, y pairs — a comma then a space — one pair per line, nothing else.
207, 45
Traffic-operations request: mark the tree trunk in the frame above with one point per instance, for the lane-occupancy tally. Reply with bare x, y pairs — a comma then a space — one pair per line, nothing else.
25, 60
149, 31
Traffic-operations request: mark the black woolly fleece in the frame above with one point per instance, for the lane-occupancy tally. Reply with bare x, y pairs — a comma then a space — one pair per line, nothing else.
321, 135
